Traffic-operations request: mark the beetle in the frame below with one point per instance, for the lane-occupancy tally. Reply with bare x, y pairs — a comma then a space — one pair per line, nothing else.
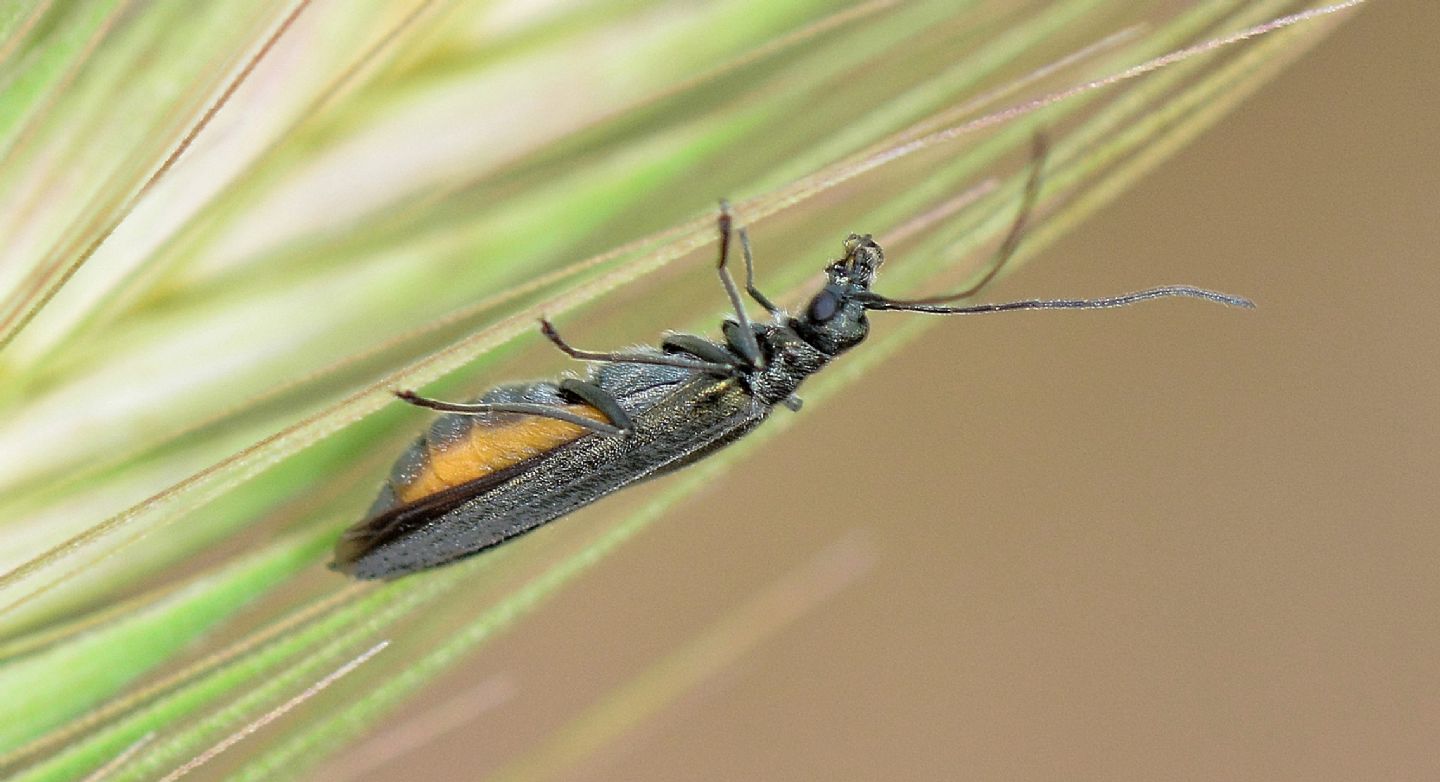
526, 454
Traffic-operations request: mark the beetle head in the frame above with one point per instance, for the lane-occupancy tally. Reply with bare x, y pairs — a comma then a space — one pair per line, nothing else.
834, 321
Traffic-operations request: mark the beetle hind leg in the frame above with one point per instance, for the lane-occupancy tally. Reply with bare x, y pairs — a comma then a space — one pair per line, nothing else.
522, 408
600, 399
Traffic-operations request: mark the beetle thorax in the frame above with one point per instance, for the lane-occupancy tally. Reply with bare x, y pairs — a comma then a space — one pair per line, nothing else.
788, 361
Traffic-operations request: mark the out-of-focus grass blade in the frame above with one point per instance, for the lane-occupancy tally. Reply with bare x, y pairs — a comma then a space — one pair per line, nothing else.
719, 646
63, 681
73, 166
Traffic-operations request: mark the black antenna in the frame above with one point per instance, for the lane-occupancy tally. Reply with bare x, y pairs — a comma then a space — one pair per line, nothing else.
1040, 148
880, 303
1039, 151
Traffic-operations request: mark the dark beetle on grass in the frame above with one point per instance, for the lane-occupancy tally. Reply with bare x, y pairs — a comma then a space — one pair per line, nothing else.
526, 454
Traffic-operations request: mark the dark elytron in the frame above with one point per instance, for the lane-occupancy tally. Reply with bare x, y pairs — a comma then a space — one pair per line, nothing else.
523, 455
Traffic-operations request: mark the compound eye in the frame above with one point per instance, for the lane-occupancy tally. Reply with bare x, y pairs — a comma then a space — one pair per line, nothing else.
824, 306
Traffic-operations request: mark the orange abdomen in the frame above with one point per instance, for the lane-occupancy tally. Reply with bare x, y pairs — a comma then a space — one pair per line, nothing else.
490, 447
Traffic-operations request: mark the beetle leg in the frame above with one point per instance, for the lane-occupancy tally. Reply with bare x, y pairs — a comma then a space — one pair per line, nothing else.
523, 408
724, 370
746, 344
750, 288
600, 399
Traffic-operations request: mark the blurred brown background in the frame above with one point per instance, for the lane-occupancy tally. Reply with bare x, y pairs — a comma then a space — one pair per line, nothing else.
1173, 542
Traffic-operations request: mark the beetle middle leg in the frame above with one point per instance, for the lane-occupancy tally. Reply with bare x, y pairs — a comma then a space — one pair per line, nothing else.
745, 344
664, 360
